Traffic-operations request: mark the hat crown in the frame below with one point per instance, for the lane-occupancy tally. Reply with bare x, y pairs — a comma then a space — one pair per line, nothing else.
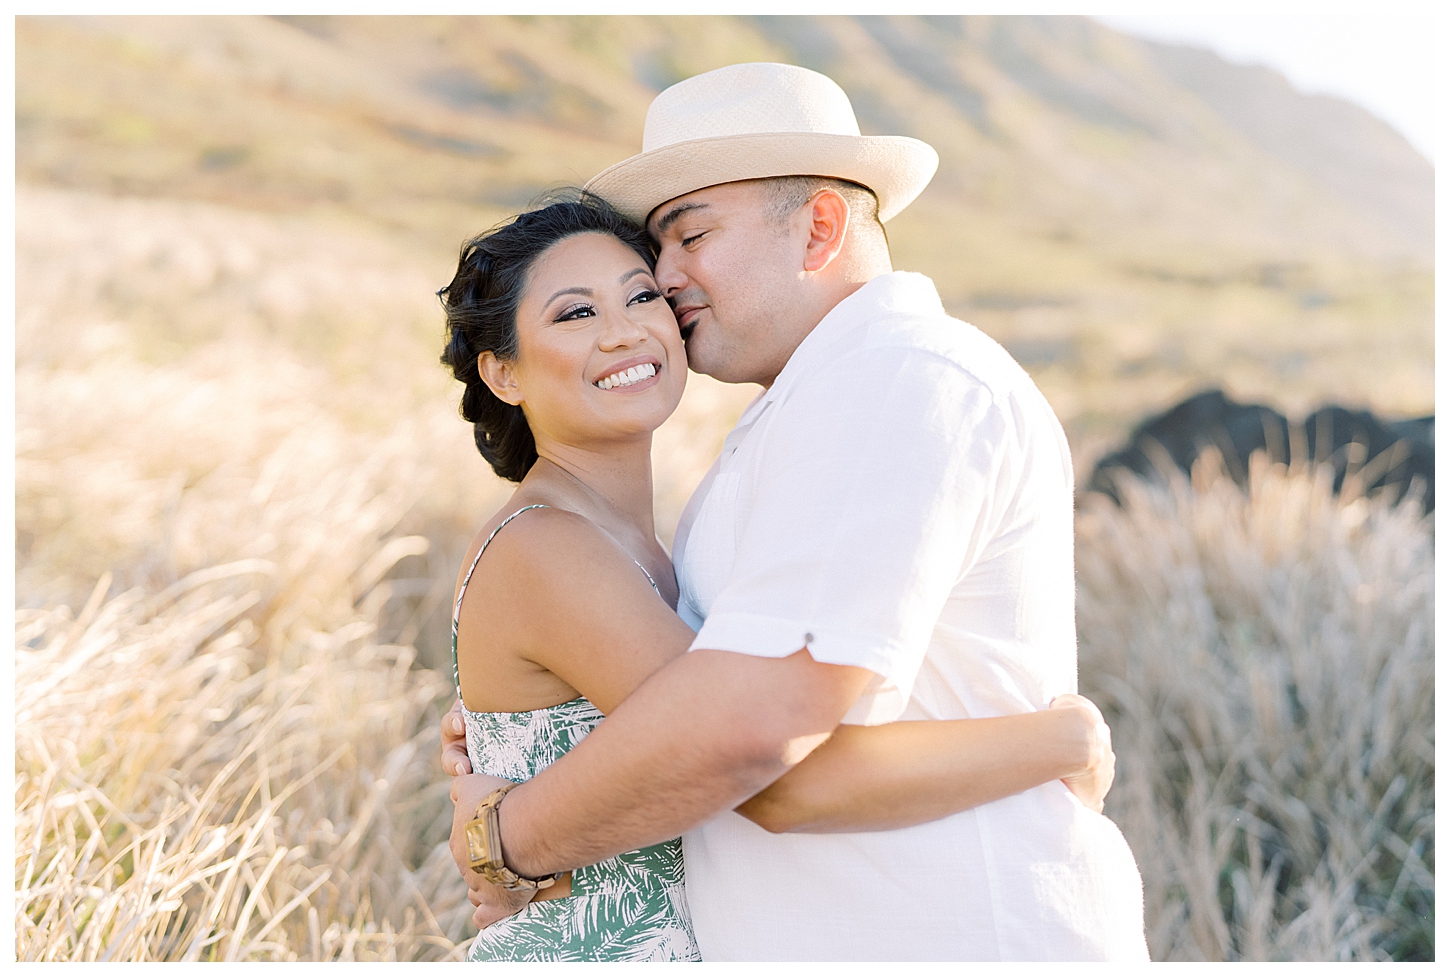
748, 99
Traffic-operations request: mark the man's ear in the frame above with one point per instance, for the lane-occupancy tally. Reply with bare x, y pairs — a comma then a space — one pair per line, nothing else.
499, 375
830, 217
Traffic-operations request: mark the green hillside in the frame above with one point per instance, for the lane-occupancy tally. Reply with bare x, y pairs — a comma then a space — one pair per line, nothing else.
1133, 220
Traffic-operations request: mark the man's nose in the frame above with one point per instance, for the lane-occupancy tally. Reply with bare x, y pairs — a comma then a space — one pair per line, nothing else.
669, 275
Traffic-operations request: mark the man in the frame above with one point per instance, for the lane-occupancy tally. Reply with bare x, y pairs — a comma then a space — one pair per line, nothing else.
887, 534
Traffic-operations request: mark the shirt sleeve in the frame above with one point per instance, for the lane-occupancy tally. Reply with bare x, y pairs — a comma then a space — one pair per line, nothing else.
876, 486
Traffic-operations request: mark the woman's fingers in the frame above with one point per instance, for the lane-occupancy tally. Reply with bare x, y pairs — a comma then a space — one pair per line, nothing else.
1069, 700
457, 758
455, 743
1091, 784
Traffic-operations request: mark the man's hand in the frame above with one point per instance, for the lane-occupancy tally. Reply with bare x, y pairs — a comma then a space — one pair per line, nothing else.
1091, 784
455, 742
492, 902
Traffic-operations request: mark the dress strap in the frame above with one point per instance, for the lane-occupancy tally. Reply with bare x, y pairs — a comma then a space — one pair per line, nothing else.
463, 588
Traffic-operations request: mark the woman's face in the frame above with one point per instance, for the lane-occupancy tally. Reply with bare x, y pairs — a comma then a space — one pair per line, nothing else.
600, 355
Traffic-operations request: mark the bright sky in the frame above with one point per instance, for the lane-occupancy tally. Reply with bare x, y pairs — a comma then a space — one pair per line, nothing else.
1385, 63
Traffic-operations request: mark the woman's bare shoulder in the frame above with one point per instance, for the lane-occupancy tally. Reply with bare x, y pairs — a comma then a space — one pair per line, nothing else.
548, 540
552, 573
542, 582
561, 596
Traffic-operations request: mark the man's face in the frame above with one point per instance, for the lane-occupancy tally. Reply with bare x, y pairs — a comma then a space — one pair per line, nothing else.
732, 275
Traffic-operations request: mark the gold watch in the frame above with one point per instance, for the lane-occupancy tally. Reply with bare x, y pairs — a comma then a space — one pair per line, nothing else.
485, 847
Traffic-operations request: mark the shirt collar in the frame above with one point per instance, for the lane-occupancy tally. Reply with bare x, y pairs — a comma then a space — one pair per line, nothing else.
896, 292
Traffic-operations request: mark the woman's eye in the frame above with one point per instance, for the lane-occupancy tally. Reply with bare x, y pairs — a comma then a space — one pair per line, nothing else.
575, 312
645, 296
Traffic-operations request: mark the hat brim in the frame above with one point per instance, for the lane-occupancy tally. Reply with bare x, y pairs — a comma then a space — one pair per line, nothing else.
895, 168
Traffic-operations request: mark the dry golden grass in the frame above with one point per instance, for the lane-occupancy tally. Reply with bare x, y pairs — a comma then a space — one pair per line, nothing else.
236, 764
1266, 663
190, 787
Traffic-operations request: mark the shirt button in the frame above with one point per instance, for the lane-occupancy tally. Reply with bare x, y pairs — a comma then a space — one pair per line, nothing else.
810, 637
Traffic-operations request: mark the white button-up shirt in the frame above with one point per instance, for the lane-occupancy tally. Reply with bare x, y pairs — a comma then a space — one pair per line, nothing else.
900, 499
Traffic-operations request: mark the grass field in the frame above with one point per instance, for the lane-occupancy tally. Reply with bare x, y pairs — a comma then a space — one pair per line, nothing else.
241, 497
1267, 663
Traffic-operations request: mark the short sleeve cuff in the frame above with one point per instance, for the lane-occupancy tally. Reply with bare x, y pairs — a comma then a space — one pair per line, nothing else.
775, 637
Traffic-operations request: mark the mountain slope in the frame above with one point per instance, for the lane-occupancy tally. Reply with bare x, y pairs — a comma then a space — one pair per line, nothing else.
1133, 220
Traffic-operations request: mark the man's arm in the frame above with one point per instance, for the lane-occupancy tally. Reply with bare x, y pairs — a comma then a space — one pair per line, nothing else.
701, 735
873, 778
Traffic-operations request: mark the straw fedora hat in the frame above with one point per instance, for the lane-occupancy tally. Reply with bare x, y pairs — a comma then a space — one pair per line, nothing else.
749, 121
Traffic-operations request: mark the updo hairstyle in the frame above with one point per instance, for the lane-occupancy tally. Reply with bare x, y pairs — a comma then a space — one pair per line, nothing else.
482, 305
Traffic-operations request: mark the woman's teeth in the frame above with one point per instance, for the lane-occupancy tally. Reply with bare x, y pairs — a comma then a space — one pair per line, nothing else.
625, 377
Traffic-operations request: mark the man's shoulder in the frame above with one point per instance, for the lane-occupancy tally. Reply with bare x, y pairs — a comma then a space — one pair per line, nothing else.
967, 353
961, 361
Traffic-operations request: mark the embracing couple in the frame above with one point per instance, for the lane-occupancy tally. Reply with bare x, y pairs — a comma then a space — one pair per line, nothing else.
840, 721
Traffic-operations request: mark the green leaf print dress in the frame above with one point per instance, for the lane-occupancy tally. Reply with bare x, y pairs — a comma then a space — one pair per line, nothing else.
628, 908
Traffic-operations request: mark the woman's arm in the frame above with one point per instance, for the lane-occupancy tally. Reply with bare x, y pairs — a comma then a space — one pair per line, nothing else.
875, 778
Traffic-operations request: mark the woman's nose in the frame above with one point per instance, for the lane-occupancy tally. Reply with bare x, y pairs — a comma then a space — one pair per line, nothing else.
621, 329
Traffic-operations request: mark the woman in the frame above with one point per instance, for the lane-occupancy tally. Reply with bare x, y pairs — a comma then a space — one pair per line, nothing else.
570, 360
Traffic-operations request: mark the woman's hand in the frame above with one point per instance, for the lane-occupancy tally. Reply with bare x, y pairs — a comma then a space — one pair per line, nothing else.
1090, 784
492, 902
455, 742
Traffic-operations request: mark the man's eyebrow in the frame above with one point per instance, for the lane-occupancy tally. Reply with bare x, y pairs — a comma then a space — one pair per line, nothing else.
675, 214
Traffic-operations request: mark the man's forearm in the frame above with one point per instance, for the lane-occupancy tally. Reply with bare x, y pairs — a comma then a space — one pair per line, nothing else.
705, 732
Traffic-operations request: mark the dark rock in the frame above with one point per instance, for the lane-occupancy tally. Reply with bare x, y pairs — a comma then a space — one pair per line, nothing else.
1392, 457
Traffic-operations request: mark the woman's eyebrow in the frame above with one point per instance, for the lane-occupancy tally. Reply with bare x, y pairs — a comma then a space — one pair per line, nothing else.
573, 290
630, 274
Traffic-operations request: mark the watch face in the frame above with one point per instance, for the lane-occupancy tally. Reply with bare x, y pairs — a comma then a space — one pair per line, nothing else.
477, 834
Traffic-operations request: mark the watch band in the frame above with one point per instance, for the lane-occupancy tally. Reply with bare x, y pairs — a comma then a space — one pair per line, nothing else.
485, 848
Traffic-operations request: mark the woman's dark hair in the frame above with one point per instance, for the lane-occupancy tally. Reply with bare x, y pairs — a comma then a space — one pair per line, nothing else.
482, 305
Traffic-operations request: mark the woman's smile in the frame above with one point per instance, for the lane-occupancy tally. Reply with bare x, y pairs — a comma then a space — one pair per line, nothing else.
635, 373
